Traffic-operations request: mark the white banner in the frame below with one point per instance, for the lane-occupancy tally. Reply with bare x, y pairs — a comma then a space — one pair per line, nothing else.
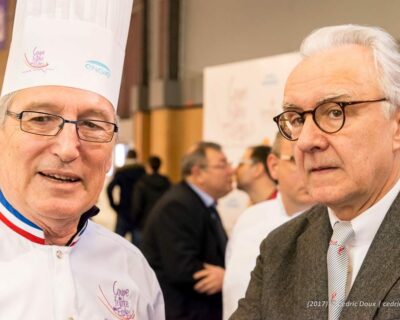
240, 100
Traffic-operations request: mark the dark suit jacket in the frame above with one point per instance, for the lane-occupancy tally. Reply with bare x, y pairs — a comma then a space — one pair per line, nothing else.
290, 278
126, 178
179, 237
148, 190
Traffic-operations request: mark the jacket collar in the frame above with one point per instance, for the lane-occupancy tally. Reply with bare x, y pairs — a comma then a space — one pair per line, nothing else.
17, 222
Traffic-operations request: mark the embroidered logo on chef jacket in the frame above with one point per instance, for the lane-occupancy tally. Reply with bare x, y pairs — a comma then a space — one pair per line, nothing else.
118, 302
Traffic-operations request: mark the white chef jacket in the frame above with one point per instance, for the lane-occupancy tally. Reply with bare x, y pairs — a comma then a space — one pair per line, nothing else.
100, 276
251, 228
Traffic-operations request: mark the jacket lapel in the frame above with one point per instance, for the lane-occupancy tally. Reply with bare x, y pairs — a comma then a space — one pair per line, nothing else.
380, 268
312, 284
207, 214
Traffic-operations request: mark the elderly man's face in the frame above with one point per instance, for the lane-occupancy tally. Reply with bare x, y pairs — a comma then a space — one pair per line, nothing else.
351, 169
54, 177
216, 177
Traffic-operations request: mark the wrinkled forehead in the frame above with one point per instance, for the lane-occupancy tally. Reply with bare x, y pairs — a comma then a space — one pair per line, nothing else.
62, 100
214, 155
343, 71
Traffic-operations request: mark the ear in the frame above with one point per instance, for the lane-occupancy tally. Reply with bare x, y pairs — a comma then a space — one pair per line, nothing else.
272, 163
396, 131
196, 173
108, 164
258, 169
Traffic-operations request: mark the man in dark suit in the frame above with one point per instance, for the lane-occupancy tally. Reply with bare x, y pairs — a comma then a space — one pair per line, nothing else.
148, 190
340, 259
184, 240
125, 178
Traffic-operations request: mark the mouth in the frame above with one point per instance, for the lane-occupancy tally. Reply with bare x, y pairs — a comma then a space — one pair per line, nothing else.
322, 169
64, 178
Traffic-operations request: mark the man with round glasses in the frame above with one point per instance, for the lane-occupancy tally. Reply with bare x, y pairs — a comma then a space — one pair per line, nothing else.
57, 135
339, 259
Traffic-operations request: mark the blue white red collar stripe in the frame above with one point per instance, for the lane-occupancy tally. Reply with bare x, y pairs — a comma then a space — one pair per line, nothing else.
27, 229
78, 235
18, 223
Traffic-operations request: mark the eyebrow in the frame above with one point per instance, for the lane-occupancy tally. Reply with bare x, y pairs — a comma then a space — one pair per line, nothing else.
55, 108
329, 98
97, 114
38, 106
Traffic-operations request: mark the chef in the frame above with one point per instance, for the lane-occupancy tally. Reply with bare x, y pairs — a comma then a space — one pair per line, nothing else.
58, 127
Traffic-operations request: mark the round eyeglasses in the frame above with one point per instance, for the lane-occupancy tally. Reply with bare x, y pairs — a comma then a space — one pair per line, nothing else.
46, 124
328, 116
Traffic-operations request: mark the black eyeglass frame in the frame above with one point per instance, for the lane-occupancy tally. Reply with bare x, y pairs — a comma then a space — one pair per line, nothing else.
19, 116
341, 104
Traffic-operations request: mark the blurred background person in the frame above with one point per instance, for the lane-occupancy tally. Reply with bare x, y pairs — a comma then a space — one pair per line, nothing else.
257, 221
125, 178
184, 240
252, 175
147, 191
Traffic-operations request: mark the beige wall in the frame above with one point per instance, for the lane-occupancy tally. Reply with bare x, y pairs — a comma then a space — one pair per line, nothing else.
170, 132
223, 31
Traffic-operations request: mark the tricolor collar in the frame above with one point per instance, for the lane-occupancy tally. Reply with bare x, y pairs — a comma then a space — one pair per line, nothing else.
27, 229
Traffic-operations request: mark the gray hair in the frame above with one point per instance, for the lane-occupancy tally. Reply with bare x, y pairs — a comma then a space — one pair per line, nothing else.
196, 156
5, 103
384, 48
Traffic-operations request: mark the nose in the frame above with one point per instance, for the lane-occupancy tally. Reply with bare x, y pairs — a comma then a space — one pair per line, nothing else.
311, 137
66, 143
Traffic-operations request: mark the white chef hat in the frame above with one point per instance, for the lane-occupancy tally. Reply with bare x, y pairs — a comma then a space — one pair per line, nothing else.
73, 43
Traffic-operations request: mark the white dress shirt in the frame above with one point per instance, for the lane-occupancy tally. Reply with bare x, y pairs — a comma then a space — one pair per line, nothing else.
100, 276
365, 227
252, 226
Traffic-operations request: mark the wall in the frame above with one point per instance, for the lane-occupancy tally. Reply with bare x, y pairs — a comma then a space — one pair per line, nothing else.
168, 133
223, 31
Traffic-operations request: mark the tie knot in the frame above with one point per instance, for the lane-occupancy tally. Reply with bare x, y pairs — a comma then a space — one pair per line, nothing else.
213, 206
342, 232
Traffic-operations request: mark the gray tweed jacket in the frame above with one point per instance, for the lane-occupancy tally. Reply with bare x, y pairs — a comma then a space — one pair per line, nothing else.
290, 278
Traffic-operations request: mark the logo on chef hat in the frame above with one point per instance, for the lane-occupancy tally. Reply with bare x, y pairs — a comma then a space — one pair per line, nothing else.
36, 60
98, 67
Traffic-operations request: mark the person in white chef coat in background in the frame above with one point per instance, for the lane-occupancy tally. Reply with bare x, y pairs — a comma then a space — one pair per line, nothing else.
57, 132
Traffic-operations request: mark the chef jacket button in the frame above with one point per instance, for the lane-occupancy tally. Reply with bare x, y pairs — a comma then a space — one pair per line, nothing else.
59, 255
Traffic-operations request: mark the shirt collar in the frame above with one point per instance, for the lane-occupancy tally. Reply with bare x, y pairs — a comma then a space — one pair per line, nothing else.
29, 230
366, 224
282, 210
205, 197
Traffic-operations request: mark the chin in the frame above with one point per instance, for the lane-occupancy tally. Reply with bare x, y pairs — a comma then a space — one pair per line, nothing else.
61, 210
326, 195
